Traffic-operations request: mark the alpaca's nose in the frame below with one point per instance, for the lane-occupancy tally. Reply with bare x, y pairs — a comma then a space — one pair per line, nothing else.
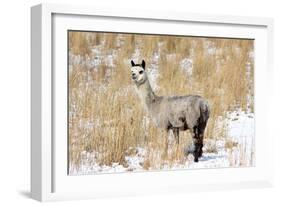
134, 76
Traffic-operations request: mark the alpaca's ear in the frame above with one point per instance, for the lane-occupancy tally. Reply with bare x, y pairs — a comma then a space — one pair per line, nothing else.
132, 63
143, 64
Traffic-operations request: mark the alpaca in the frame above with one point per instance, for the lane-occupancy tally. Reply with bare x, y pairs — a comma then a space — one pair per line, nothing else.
176, 113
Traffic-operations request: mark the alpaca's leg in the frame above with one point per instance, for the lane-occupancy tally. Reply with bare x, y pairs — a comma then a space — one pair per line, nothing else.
201, 130
193, 149
176, 132
196, 144
200, 142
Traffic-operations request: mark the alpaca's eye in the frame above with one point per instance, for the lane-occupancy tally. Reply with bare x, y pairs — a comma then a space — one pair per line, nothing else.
140, 72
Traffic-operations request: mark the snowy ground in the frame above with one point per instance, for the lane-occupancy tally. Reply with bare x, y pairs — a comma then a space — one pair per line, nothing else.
217, 153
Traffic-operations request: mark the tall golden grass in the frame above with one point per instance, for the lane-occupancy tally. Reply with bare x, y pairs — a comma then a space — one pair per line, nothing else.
105, 114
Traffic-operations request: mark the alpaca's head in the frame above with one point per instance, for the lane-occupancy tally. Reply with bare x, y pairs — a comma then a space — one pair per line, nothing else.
139, 75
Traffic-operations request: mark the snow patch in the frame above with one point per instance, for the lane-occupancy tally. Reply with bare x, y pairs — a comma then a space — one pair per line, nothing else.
187, 66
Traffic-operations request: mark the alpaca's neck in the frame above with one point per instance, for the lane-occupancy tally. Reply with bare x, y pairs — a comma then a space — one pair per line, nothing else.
146, 93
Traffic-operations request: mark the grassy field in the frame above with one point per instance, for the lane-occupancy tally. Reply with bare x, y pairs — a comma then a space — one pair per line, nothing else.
106, 118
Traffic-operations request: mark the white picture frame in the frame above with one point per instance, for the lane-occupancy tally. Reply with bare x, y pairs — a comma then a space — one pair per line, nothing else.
49, 179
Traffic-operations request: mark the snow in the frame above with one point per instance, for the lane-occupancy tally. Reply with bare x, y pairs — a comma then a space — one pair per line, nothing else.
240, 131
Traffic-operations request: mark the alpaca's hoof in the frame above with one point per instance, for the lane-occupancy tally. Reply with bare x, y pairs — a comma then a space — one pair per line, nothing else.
196, 159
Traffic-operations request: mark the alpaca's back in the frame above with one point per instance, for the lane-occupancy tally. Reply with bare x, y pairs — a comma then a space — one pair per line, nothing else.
181, 111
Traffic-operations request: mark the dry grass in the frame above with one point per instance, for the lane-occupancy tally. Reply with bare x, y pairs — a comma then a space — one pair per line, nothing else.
105, 115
